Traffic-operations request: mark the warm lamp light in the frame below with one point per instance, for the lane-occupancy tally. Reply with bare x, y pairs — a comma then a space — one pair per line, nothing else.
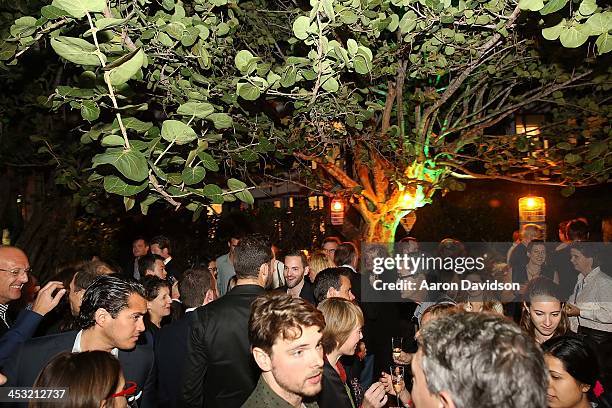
532, 210
337, 211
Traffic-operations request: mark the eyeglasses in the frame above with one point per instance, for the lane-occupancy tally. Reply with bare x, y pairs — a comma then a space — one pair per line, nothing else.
212, 270
16, 272
130, 389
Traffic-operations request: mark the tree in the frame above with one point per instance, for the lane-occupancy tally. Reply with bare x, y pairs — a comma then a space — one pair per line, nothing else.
394, 100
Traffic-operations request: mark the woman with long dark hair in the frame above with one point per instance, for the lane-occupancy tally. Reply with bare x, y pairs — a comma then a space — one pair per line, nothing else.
574, 374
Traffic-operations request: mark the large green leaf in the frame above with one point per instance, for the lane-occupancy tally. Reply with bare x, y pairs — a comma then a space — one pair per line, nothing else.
331, 84
587, 7
115, 185
112, 140
408, 22
193, 175
553, 6
177, 131
130, 162
300, 27
197, 109
128, 68
242, 59
90, 110
208, 161
211, 190
600, 23
248, 91
78, 8
245, 196
552, 33
104, 23
235, 184
135, 124
533, 5
52, 12
221, 120
604, 43
76, 50
574, 36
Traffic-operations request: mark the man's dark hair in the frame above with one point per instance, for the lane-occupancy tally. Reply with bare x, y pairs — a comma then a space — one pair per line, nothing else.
328, 278
299, 253
162, 241
483, 360
147, 263
140, 237
252, 252
88, 271
535, 242
577, 230
588, 250
152, 284
346, 254
193, 286
109, 293
83, 279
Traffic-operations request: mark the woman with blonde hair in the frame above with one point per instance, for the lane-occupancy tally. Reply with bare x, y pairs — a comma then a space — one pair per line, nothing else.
316, 263
342, 333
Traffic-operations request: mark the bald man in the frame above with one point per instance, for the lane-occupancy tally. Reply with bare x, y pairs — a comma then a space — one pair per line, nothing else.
14, 271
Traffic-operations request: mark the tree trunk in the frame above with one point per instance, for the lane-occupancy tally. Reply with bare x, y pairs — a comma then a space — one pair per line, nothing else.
381, 228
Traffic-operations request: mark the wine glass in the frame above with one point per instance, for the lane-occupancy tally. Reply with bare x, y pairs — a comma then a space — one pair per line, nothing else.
397, 379
397, 347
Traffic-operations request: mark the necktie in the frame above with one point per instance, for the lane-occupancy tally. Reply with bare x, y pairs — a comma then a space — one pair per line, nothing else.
3, 309
136, 273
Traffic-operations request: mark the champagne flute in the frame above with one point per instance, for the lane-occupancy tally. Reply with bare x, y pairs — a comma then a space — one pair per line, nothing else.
397, 379
397, 347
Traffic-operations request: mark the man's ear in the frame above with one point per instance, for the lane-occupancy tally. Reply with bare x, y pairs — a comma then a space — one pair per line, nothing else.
209, 297
331, 292
101, 316
307, 271
445, 400
264, 271
262, 359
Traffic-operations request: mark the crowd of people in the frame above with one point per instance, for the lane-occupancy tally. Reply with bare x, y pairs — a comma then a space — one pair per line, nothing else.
261, 327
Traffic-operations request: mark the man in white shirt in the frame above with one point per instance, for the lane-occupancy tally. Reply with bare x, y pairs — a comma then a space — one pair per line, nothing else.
111, 319
590, 306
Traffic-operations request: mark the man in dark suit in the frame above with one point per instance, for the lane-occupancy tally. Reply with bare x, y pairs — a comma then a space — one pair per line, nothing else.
197, 288
140, 247
111, 320
220, 371
14, 270
296, 268
160, 245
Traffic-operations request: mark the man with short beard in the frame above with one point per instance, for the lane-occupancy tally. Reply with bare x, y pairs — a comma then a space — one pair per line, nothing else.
285, 335
296, 267
219, 369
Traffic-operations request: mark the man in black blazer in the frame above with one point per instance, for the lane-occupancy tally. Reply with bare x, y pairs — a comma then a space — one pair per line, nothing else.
111, 320
161, 245
197, 287
296, 270
220, 371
